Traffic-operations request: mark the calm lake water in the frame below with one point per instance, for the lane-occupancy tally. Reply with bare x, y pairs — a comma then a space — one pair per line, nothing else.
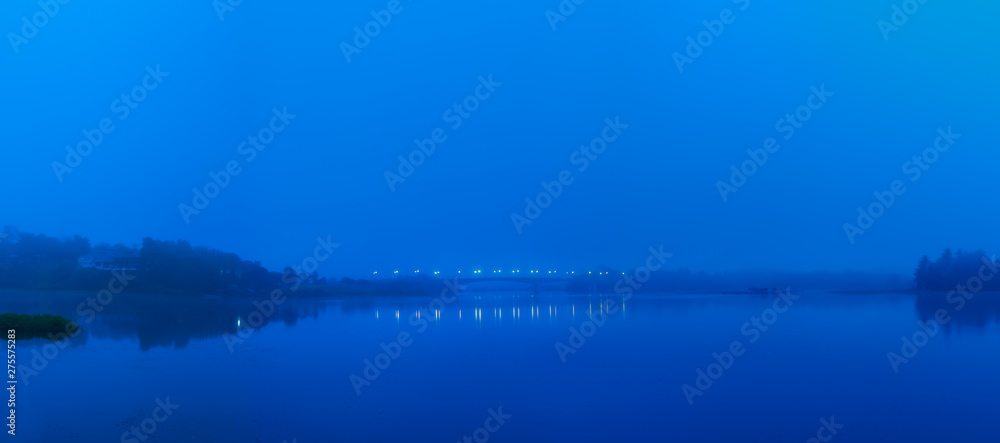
290, 380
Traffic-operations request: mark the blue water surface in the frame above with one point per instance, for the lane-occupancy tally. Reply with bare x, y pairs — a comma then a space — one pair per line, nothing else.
823, 358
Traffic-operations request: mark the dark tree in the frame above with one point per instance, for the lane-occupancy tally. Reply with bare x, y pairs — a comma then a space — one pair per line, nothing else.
923, 274
954, 270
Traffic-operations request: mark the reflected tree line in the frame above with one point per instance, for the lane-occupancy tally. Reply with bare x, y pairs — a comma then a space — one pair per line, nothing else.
160, 320
229, 290
954, 284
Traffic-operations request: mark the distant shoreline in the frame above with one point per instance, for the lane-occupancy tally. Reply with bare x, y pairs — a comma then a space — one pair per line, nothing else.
248, 295
334, 292
912, 292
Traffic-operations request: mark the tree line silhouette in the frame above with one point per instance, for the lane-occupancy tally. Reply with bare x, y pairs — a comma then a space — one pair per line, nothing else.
953, 269
39, 262
35, 261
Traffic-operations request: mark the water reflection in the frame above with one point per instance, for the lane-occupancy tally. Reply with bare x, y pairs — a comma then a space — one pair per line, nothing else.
174, 321
977, 313
827, 353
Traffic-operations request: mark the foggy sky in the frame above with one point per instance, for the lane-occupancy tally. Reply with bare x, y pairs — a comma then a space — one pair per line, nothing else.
552, 91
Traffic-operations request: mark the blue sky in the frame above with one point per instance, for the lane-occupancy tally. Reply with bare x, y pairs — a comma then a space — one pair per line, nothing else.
324, 173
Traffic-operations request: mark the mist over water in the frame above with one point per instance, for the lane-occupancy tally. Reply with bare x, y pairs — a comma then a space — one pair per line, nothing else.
570, 220
824, 356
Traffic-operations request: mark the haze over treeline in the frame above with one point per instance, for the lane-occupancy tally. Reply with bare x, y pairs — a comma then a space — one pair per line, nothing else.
37, 261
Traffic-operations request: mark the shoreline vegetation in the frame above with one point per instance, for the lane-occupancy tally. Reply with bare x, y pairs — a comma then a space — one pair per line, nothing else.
37, 326
38, 262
